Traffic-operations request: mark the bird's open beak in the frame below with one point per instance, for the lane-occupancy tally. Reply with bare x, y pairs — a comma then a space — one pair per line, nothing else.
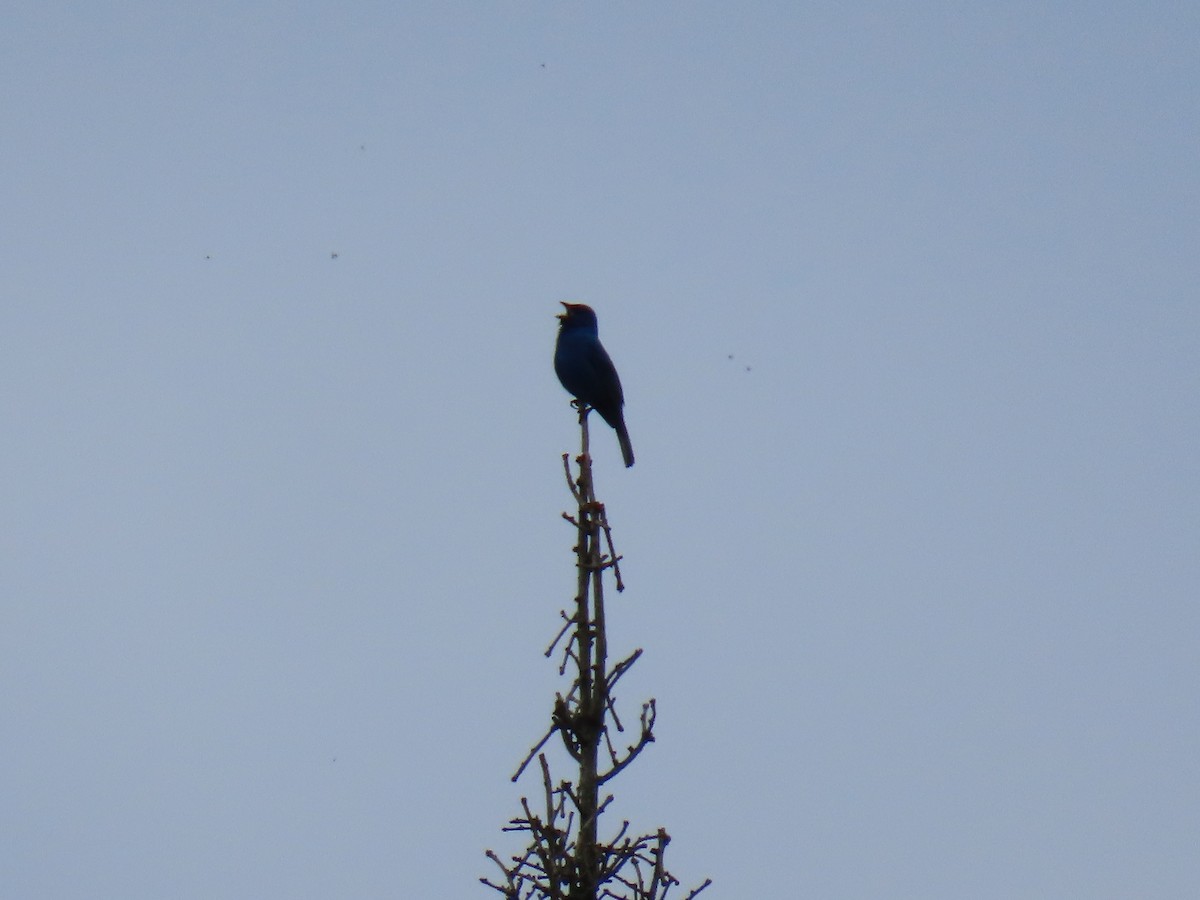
566, 309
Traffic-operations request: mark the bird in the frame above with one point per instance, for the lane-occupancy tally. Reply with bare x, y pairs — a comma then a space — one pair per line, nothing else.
586, 371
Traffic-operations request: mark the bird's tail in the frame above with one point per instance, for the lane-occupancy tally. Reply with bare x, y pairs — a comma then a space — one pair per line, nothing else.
626, 447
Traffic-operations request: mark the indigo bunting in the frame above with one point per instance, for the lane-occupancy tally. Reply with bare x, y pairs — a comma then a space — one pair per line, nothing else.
587, 373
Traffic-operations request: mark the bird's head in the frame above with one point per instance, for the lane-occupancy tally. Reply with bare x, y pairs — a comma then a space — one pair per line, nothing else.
577, 315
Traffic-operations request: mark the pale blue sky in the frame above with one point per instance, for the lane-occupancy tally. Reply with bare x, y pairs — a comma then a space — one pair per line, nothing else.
281, 544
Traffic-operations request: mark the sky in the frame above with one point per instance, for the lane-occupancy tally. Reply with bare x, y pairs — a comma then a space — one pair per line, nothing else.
906, 303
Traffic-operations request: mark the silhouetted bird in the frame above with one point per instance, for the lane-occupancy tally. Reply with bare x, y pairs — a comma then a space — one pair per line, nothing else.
587, 373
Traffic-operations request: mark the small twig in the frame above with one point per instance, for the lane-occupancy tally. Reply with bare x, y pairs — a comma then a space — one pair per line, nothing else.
663, 840
649, 714
613, 553
572, 486
568, 621
610, 702
620, 834
569, 656
540, 744
612, 751
549, 788
622, 667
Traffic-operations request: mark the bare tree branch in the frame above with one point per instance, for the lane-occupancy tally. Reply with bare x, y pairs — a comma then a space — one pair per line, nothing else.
565, 858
